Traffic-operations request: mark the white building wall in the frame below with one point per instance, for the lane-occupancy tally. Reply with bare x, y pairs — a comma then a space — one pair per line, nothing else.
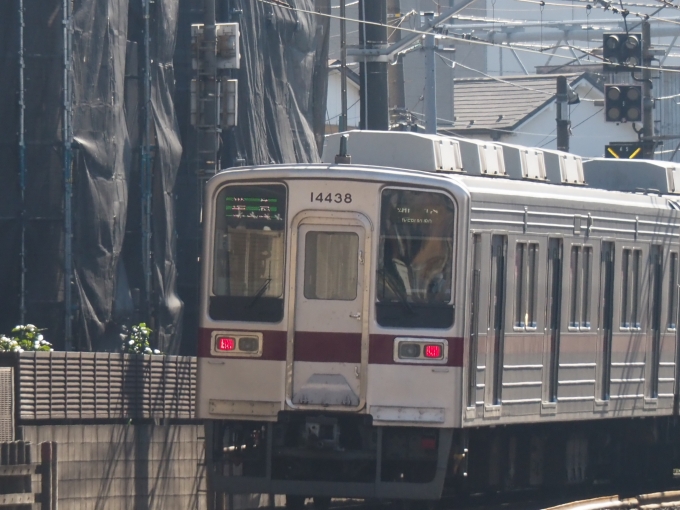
590, 132
334, 102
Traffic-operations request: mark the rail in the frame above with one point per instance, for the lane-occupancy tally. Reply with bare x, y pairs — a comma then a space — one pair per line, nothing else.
667, 499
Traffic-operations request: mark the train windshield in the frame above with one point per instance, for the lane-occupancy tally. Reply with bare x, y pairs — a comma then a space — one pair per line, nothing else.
415, 260
249, 253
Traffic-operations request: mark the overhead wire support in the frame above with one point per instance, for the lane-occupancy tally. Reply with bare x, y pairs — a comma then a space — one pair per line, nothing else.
67, 147
22, 166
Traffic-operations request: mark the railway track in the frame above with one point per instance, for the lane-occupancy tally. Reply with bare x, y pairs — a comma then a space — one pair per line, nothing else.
651, 501
667, 499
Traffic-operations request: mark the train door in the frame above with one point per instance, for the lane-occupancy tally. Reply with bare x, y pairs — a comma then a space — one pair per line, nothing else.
475, 322
552, 322
495, 340
607, 272
655, 331
328, 337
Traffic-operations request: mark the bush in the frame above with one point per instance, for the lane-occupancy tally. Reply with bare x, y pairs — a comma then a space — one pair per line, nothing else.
137, 342
24, 338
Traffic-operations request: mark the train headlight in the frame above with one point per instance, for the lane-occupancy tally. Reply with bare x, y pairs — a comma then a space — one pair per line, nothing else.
248, 344
421, 350
409, 350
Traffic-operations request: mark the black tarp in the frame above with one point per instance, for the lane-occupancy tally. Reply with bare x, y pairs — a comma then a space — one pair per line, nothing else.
282, 88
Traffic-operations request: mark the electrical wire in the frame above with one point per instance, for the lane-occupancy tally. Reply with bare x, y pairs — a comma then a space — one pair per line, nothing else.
501, 80
468, 40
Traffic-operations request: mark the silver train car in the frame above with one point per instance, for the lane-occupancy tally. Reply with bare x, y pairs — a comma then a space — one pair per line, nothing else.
436, 316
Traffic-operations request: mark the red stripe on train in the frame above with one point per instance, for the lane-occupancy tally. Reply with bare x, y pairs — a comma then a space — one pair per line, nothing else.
327, 347
330, 347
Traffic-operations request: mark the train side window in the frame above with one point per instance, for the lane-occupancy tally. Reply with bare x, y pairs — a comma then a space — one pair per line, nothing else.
526, 268
672, 291
415, 260
581, 268
630, 289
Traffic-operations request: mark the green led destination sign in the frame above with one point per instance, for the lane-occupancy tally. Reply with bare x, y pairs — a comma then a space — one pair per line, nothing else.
255, 208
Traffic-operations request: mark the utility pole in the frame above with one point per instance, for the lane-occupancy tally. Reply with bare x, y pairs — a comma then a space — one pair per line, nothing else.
395, 72
342, 125
373, 74
563, 121
209, 129
430, 78
648, 143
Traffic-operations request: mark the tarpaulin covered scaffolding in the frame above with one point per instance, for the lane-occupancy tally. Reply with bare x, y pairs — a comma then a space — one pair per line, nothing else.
91, 154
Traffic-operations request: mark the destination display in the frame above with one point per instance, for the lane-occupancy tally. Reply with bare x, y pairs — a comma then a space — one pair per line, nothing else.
417, 208
253, 207
257, 207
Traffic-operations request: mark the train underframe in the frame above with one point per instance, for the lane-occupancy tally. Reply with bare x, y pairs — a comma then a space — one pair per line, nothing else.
325, 455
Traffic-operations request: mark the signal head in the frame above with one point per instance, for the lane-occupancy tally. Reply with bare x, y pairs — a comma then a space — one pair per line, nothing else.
632, 42
613, 93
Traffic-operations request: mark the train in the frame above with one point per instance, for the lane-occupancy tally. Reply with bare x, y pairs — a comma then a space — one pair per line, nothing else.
423, 316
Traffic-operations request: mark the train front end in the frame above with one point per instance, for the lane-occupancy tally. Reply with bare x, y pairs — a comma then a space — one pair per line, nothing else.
330, 356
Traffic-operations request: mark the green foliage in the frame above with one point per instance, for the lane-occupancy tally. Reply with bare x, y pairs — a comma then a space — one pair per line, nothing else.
24, 338
137, 342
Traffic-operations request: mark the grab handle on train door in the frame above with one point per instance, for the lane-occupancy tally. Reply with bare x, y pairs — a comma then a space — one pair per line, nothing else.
355, 315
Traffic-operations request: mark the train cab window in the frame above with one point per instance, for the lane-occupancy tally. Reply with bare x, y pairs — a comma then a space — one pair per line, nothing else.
331, 265
581, 267
526, 268
672, 291
415, 260
630, 289
248, 266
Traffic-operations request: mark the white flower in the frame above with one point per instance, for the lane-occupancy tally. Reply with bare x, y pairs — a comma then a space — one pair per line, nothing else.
156, 351
131, 342
40, 337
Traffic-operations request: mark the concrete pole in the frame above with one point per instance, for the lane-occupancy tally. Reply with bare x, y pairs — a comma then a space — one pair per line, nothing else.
563, 121
373, 75
647, 101
342, 125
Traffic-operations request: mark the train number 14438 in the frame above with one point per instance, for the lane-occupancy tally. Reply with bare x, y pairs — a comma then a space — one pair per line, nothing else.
330, 197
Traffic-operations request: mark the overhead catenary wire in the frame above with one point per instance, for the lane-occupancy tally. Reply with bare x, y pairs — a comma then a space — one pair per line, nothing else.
501, 80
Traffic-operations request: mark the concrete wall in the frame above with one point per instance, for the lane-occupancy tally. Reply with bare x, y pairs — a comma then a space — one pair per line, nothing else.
127, 466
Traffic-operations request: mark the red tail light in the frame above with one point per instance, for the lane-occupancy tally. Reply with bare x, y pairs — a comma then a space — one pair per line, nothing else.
433, 351
226, 343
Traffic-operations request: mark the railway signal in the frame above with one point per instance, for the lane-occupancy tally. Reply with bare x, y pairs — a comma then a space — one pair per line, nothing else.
623, 103
621, 52
623, 150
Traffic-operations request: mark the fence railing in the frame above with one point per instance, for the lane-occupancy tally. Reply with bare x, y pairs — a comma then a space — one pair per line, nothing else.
16, 475
93, 386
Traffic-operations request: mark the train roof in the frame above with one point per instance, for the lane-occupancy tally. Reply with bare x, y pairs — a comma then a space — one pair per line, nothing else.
633, 175
479, 188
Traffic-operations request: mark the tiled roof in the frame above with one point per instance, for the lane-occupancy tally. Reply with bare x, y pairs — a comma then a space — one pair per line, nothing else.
487, 103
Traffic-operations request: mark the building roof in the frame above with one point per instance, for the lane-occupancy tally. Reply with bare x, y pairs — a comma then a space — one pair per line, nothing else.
487, 104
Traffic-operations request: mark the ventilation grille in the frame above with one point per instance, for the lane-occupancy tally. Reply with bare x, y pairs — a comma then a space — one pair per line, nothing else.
75, 385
